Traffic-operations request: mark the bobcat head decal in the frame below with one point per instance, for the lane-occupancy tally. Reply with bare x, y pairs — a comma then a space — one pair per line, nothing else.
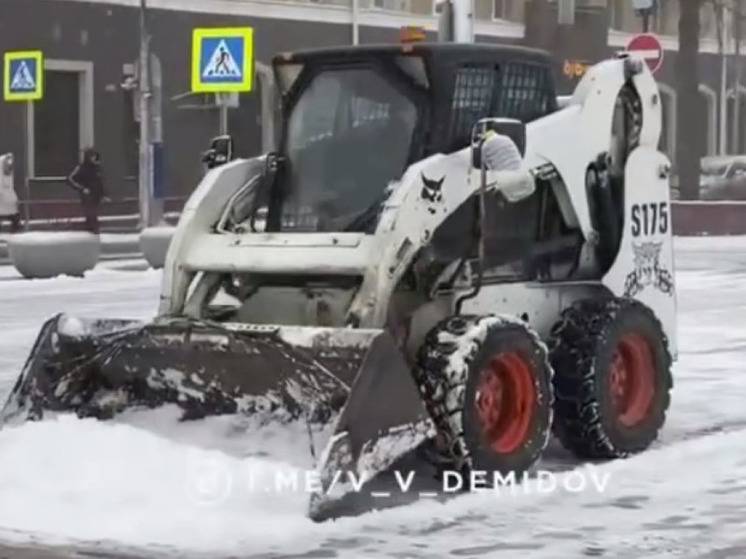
431, 189
648, 271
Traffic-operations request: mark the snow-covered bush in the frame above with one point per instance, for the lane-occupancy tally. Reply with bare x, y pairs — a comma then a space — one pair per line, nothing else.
154, 243
54, 253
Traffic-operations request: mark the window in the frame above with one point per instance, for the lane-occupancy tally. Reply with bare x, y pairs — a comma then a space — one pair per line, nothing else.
511, 10
473, 98
526, 92
56, 126
668, 124
667, 17
521, 91
501, 9
393, 5
735, 141
710, 102
622, 16
348, 136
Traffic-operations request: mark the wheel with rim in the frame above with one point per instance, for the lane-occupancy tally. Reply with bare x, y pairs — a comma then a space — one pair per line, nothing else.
487, 384
612, 378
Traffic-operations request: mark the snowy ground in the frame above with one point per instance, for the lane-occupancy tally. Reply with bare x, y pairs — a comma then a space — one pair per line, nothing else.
196, 490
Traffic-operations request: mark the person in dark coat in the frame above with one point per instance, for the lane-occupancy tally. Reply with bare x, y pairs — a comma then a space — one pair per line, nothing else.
88, 181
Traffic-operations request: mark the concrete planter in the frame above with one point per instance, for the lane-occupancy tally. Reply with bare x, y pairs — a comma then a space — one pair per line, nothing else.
154, 243
50, 254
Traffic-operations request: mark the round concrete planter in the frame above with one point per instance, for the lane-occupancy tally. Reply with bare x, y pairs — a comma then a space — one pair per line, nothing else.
50, 254
154, 243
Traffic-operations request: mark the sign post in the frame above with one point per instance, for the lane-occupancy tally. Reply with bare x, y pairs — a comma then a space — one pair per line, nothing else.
222, 64
23, 79
648, 47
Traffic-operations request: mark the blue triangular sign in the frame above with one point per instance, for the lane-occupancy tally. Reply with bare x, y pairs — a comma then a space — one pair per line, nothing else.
222, 64
22, 79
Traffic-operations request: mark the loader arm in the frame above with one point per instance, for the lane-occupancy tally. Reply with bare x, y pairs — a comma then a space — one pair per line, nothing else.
589, 115
199, 217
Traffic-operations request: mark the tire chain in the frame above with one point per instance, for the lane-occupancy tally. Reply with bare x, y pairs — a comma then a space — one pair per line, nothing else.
443, 385
573, 344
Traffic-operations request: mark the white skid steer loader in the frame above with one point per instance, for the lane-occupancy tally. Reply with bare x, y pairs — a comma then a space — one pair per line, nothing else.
382, 271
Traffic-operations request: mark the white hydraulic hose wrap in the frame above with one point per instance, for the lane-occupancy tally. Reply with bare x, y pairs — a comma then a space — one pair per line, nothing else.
506, 170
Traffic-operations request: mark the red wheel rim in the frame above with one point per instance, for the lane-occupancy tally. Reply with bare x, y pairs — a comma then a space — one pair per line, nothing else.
632, 379
505, 402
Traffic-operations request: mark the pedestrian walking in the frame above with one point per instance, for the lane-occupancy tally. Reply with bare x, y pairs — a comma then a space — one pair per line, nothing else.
8, 198
87, 180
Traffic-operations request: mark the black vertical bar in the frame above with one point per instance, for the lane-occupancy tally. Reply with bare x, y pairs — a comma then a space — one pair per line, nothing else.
27, 153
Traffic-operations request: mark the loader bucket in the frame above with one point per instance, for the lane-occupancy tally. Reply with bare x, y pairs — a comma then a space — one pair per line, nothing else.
357, 378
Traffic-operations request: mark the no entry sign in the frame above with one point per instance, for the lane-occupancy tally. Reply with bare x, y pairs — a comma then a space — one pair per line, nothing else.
649, 48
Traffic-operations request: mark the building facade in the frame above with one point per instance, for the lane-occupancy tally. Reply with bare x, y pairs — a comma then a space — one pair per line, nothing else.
91, 46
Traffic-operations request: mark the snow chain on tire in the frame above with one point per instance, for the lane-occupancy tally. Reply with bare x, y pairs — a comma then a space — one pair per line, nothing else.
442, 372
580, 350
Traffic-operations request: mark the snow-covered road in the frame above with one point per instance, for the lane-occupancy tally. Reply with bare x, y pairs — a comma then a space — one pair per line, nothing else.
186, 489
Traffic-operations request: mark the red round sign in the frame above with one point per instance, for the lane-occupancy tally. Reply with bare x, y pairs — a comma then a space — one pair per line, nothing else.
649, 48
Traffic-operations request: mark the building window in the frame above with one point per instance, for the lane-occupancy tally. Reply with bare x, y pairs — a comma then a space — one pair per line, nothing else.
511, 10
57, 125
736, 142
619, 14
501, 9
393, 5
668, 125
664, 18
667, 17
709, 99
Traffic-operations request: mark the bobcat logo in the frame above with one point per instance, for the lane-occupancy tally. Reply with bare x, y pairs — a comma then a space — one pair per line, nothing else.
431, 189
648, 271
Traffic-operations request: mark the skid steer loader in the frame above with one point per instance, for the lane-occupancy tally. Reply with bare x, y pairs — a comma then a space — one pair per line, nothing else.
382, 272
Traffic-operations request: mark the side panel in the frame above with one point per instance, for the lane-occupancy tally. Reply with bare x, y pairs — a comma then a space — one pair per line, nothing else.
644, 268
539, 304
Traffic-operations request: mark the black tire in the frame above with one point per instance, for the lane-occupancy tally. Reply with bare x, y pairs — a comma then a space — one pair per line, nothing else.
593, 417
453, 363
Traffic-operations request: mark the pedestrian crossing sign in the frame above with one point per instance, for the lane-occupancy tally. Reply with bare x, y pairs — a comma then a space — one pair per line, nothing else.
23, 76
223, 60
